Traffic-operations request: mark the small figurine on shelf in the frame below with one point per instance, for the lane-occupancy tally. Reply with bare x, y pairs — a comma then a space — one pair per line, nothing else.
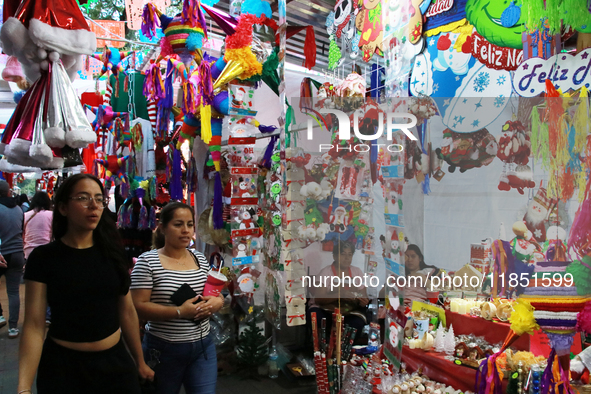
241, 249
450, 342
439, 339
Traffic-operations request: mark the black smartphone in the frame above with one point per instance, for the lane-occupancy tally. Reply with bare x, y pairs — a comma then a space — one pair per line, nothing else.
182, 294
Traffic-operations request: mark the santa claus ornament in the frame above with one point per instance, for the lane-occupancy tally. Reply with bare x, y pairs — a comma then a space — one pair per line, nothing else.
537, 214
339, 220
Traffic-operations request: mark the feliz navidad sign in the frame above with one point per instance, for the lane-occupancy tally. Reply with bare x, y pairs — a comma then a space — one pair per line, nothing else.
439, 7
565, 71
493, 56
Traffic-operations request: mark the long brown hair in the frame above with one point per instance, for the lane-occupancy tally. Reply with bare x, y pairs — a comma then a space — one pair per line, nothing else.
166, 215
422, 264
105, 235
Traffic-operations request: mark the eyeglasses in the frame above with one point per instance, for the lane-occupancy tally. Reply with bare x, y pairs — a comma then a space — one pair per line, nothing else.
84, 201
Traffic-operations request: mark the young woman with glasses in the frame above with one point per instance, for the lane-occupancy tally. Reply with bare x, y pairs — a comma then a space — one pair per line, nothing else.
83, 275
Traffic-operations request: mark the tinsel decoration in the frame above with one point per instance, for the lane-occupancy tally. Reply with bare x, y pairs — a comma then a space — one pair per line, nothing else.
559, 14
579, 238
257, 8
128, 221
152, 189
165, 50
205, 83
218, 221
143, 221
152, 220
522, 318
120, 215
190, 98
555, 379
150, 20
584, 319
194, 42
215, 142
153, 84
266, 160
581, 273
176, 181
192, 175
558, 141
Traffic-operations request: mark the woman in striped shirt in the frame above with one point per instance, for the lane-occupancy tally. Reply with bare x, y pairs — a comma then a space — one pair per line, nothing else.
177, 344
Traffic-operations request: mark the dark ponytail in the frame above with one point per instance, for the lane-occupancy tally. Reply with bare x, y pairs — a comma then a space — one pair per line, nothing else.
166, 215
105, 235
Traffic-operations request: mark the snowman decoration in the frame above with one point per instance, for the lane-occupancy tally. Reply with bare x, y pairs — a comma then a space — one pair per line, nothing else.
395, 248
241, 250
393, 203
245, 220
243, 189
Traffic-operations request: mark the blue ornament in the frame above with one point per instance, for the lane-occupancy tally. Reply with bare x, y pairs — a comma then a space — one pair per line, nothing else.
511, 15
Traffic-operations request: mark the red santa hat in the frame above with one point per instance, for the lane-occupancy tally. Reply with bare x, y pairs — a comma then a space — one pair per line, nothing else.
394, 236
542, 198
53, 25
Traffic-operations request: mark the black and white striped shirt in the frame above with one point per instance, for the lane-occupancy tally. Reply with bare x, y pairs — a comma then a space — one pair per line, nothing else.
148, 273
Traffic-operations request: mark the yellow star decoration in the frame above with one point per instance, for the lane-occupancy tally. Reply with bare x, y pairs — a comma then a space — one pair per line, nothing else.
250, 310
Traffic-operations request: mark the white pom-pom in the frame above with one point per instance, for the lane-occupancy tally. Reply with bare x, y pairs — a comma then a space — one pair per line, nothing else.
55, 137
41, 153
57, 162
42, 53
54, 56
44, 65
80, 138
304, 191
310, 233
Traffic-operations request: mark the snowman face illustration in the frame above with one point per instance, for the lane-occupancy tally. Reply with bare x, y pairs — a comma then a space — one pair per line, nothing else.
394, 244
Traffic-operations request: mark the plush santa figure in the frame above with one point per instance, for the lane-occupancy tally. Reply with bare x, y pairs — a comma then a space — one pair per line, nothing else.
537, 214
338, 220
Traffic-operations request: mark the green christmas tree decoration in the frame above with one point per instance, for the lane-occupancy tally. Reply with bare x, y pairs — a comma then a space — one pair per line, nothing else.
252, 350
334, 54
